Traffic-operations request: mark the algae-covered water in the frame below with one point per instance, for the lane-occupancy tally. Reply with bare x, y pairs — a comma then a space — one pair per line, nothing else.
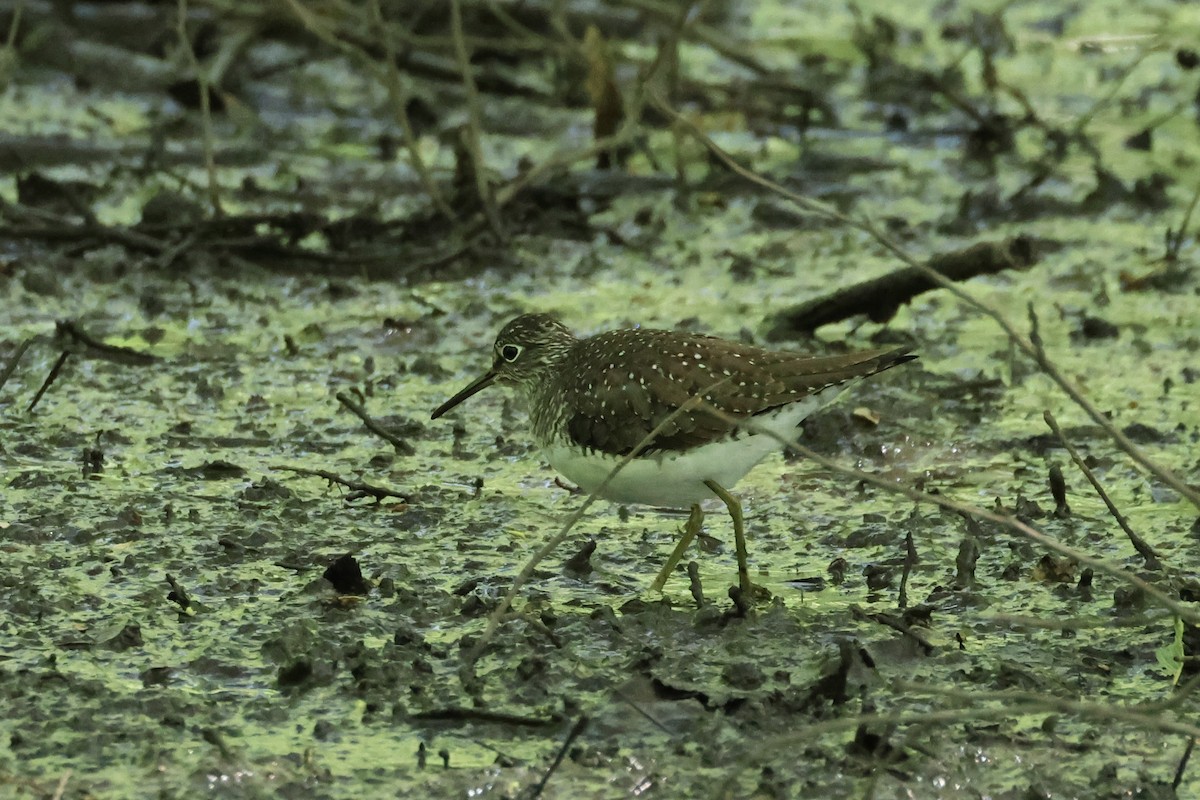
167, 626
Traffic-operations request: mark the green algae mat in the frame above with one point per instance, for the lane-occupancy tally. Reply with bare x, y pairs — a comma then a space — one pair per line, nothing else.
243, 258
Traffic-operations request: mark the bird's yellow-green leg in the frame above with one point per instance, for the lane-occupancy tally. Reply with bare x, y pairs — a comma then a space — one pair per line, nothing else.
690, 529
739, 537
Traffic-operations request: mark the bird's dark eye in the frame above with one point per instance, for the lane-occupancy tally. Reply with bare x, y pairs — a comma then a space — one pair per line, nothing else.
510, 352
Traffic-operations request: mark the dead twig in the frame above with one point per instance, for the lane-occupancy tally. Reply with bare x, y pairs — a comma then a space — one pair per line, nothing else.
14, 26
357, 488
474, 132
1022, 342
880, 298
630, 126
737, 52
979, 705
55, 227
1183, 761
896, 624
575, 732
83, 343
1139, 544
50, 378
910, 561
402, 447
79, 342
1058, 140
1175, 239
1185, 611
61, 788
205, 86
398, 97
11, 366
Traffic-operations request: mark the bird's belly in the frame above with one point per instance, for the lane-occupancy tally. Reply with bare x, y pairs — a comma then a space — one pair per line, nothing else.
674, 480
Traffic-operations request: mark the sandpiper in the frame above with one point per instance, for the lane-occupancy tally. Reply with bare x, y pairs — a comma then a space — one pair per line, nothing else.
594, 401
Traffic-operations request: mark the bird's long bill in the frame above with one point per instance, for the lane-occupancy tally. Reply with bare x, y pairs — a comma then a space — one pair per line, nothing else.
481, 383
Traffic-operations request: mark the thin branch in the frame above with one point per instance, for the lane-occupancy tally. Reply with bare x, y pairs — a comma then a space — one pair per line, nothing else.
1022, 342
50, 378
11, 366
1115, 83
202, 81
1186, 611
402, 447
14, 26
1005, 705
1139, 544
389, 78
575, 732
398, 97
357, 488
83, 343
1175, 239
61, 788
474, 137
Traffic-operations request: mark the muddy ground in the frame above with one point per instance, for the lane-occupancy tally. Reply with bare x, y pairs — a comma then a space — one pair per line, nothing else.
200, 278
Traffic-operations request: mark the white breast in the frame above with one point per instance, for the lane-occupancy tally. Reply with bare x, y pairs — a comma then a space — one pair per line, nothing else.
677, 480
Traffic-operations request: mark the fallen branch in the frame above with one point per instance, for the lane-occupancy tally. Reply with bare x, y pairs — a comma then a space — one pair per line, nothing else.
880, 298
402, 447
1023, 343
1139, 544
357, 488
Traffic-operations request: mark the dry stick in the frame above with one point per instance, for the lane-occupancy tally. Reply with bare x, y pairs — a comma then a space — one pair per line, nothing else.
390, 80
629, 129
1139, 544
1009, 705
61, 789
1148, 715
12, 362
1077, 623
356, 488
58, 365
1175, 240
572, 735
233, 45
398, 96
1187, 754
210, 164
624, 135
1049, 162
1115, 85
402, 447
1171, 701
1188, 613
895, 623
1022, 342
1012, 706
57, 227
169, 256
910, 559
543, 44
495, 618
81, 342
560, 160
704, 34
1176, 698
14, 26
474, 139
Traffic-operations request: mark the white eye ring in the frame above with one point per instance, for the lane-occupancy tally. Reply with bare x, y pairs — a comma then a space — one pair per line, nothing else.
510, 352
